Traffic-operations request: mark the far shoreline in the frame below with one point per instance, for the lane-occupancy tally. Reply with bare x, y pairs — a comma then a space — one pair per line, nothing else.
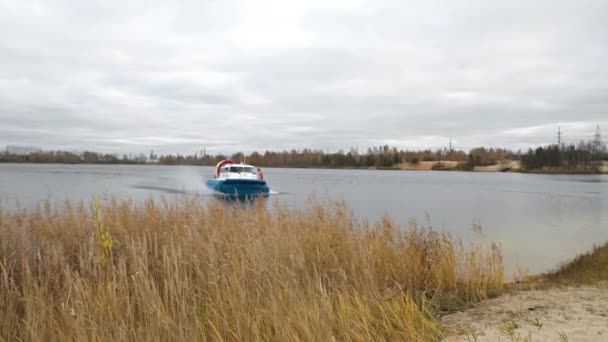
444, 166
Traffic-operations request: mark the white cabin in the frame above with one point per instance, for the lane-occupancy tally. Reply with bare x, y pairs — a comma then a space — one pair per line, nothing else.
240, 171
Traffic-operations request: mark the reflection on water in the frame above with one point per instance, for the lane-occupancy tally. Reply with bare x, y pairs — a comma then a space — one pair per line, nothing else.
539, 220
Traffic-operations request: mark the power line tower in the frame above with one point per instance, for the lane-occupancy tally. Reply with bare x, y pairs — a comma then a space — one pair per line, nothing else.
597, 140
559, 137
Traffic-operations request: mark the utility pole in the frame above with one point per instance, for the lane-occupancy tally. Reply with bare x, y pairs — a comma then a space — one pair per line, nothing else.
597, 140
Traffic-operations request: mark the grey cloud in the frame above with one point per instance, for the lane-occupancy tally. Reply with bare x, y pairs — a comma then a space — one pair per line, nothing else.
232, 76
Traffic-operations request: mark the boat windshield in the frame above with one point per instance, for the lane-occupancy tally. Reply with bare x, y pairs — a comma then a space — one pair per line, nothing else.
241, 169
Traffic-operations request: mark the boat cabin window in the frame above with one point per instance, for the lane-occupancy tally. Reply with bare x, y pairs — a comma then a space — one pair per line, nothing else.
241, 169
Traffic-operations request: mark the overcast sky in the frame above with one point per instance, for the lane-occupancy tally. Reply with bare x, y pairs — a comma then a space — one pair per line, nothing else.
128, 76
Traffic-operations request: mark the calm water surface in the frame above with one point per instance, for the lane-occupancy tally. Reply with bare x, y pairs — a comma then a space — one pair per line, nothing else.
540, 220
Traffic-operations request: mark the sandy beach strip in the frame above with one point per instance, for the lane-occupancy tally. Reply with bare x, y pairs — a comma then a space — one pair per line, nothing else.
556, 314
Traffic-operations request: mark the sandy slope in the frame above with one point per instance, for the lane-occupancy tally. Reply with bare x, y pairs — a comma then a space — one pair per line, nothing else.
559, 314
453, 165
427, 165
511, 164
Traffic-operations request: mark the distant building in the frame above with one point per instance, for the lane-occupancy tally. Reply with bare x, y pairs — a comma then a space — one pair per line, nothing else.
153, 159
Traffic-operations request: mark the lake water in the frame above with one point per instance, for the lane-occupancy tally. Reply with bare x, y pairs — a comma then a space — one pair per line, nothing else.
539, 220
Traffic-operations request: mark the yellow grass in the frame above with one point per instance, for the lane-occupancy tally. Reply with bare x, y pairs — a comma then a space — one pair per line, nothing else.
587, 268
182, 270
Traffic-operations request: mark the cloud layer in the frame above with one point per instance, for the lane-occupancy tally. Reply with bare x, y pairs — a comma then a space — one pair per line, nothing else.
242, 75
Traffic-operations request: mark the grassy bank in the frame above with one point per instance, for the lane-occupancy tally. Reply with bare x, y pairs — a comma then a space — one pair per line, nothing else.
587, 268
184, 271
567, 304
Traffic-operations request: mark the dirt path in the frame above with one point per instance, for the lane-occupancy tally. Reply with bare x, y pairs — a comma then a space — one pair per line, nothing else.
560, 314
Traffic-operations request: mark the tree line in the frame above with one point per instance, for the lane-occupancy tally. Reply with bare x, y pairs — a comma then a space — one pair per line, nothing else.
374, 157
66, 157
584, 156
378, 157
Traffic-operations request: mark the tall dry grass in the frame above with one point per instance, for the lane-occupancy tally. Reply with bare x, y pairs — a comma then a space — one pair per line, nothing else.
182, 270
586, 268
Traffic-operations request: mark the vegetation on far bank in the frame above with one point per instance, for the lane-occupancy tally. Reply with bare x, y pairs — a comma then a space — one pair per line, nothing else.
586, 157
183, 270
377, 157
582, 158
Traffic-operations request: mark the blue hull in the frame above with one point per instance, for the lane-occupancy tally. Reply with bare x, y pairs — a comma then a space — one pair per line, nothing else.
241, 188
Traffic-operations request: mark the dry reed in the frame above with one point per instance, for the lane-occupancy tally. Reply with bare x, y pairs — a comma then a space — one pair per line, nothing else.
182, 270
586, 268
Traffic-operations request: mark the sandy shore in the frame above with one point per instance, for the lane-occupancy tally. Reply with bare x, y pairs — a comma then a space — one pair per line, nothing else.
428, 165
510, 164
557, 314
453, 165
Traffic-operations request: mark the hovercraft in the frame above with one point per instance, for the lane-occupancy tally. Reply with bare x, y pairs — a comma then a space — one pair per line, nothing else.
238, 180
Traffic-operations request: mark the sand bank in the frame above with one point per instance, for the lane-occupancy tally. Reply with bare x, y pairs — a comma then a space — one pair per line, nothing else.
428, 165
556, 314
